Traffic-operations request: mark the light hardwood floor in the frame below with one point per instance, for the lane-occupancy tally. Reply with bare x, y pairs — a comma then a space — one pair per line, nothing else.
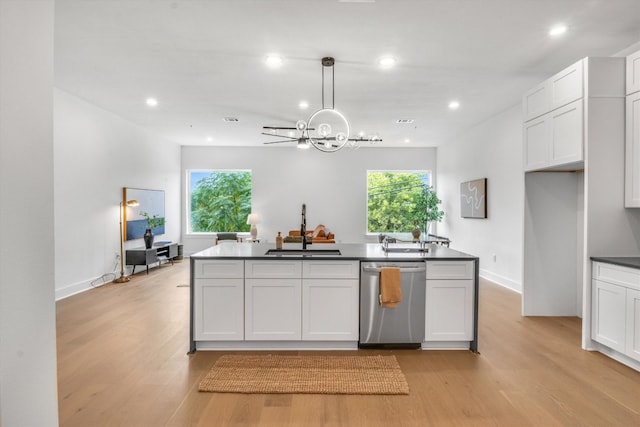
122, 361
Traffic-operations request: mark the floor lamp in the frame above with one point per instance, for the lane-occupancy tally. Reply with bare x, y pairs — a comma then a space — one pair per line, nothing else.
123, 206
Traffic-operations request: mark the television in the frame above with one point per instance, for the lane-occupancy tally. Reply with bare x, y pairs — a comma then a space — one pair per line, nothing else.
150, 202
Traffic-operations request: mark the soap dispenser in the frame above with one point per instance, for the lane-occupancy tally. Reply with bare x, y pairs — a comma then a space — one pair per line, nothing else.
279, 241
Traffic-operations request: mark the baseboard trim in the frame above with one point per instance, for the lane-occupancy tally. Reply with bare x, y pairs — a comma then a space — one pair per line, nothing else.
501, 280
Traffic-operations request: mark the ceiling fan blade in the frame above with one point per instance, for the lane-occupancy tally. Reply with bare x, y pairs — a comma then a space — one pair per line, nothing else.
279, 127
364, 139
276, 142
284, 128
280, 136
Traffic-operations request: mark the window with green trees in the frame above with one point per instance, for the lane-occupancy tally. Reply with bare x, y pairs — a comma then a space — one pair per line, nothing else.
219, 201
397, 200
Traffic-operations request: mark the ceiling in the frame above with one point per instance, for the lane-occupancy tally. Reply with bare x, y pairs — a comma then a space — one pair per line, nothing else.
205, 60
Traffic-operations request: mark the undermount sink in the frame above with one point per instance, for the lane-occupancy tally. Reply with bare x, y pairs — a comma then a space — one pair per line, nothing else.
406, 250
303, 252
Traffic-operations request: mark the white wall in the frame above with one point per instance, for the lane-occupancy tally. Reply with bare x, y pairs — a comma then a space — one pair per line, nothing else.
96, 153
333, 185
492, 150
28, 391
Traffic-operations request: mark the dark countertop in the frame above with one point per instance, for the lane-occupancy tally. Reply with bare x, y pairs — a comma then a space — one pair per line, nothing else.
633, 262
349, 251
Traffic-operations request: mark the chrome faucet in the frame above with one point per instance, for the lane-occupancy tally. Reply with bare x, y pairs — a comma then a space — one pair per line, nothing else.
303, 227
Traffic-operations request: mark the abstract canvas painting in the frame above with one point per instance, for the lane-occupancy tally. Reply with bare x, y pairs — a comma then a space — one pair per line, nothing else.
473, 199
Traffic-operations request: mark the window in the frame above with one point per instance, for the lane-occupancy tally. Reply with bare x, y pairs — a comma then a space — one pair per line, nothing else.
218, 200
396, 200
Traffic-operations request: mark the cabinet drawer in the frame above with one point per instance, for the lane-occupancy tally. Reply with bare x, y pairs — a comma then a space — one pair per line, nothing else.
450, 270
616, 274
273, 269
218, 269
330, 269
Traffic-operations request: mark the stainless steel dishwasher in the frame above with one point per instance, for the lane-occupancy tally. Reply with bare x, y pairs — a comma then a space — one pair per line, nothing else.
402, 326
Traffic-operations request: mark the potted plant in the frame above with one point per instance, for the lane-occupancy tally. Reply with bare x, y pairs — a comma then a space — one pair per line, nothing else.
429, 210
152, 222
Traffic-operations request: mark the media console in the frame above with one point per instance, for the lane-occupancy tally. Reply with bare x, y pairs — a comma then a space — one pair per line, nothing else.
159, 252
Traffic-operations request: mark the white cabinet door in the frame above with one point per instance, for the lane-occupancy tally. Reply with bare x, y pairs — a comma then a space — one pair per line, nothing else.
632, 152
536, 102
219, 310
330, 309
633, 324
633, 73
449, 310
566, 134
273, 309
218, 306
537, 143
609, 320
566, 86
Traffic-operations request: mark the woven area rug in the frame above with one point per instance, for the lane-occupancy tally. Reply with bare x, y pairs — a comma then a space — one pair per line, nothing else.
306, 374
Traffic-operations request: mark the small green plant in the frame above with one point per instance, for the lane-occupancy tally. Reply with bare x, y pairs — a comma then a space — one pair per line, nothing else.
428, 209
152, 221
433, 212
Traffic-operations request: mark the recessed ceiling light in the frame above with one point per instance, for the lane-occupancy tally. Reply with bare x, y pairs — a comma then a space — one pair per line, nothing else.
387, 62
407, 141
209, 139
303, 105
558, 30
151, 102
274, 61
454, 105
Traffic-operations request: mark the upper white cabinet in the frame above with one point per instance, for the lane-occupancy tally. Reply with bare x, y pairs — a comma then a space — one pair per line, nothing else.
561, 89
555, 138
555, 112
632, 151
633, 73
632, 133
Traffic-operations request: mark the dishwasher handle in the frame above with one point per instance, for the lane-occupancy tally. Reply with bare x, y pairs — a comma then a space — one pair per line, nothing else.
403, 269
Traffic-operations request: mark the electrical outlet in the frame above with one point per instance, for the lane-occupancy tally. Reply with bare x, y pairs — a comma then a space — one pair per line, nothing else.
494, 258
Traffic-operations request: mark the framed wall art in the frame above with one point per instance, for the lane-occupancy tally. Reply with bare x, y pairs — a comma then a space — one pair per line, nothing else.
473, 198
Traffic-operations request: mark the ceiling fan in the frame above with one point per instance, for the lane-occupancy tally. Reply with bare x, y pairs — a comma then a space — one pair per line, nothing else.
304, 141
327, 129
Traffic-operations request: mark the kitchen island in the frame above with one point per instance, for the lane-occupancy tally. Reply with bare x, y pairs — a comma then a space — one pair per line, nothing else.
243, 298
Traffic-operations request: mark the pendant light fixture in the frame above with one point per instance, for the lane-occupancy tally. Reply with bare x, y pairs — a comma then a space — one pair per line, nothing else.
327, 129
